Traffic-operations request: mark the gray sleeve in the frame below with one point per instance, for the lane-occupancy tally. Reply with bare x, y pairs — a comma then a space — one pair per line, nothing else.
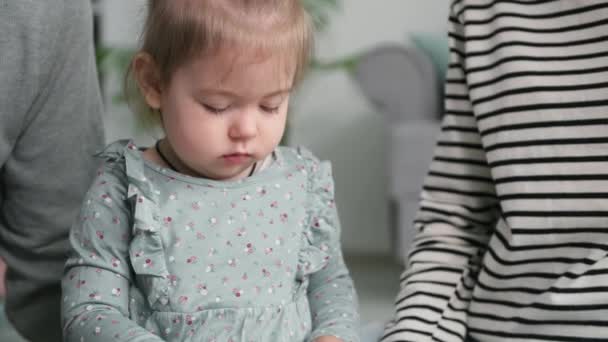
50, 127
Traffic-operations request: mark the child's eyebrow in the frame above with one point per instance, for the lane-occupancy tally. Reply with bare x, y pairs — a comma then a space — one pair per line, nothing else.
228, 93
279, 92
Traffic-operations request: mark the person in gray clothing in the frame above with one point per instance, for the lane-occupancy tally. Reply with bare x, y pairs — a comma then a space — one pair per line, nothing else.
50, 128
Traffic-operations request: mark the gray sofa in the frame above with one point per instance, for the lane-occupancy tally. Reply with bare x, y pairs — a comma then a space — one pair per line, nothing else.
403, 85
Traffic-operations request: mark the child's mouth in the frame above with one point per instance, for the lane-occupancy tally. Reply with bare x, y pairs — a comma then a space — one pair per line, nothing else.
236, 158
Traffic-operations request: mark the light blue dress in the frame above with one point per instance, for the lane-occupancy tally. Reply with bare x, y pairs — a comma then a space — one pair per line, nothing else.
161, 256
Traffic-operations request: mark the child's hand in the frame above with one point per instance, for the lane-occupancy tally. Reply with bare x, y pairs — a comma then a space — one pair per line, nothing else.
328, 339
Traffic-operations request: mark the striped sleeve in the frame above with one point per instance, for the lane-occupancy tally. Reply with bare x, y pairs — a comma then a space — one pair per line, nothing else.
525, 131
457, 212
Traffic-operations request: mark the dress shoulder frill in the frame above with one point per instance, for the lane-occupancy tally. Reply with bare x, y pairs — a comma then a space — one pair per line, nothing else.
146, 250
322, 226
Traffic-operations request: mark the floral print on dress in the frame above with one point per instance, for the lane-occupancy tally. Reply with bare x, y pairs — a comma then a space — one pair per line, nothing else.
176, 258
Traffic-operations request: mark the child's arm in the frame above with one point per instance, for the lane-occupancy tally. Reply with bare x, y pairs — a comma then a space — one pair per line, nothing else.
331, 291
97, 276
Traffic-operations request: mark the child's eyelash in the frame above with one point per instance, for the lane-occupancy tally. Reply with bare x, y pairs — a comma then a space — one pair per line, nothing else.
270, 109
214, 110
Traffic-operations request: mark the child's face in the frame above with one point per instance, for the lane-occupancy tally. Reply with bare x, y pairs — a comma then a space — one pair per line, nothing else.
223, 113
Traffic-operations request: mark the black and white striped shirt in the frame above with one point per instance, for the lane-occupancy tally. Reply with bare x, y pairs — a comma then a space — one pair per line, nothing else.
512, 241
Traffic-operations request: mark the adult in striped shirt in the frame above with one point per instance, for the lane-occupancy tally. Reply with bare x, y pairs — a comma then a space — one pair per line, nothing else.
512, 231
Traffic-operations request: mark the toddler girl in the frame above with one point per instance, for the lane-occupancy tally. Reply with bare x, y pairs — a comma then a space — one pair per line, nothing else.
216, 233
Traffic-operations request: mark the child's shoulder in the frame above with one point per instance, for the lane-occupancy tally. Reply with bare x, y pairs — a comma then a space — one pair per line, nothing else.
297, 154
113, 158
303, 158
116, 150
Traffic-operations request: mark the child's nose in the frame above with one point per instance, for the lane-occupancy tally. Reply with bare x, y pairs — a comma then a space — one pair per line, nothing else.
244, 127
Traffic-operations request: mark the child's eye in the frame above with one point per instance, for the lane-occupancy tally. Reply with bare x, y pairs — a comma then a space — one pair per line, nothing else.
270, 109
215, 110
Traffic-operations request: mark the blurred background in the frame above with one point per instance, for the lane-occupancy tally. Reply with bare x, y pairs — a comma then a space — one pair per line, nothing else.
371, 105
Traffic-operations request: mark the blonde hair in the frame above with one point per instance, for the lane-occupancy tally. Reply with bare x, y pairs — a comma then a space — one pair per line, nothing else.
176, 31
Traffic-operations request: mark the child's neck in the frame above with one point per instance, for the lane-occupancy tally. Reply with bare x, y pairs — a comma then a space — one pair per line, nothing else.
163, 155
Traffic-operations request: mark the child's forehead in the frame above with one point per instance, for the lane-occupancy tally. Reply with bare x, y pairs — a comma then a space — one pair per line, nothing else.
243, 55
223, 67
236, 76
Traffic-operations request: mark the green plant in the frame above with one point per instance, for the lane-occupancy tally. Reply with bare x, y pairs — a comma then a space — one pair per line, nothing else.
320, 11
113, 60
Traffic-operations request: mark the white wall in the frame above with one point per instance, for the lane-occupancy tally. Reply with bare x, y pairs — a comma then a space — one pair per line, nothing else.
329, 114
121, 21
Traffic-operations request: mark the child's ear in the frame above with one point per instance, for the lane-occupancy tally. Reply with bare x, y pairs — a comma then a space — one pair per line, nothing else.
147, 76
